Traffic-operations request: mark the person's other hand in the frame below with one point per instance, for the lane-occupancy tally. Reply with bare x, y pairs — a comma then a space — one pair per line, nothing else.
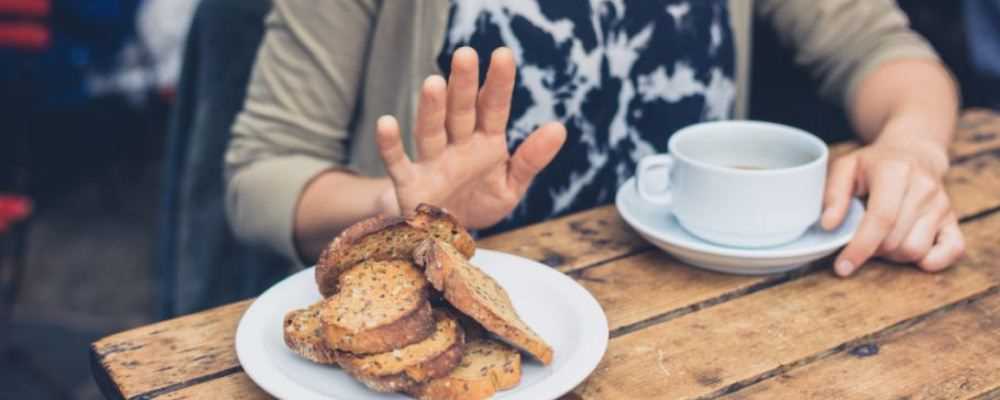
909, 216
461, 135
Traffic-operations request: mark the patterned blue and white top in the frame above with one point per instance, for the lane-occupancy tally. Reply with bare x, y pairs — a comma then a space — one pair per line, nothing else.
622, 75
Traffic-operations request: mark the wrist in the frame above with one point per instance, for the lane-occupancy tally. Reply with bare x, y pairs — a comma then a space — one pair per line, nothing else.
931, 155
387, 203
923, 141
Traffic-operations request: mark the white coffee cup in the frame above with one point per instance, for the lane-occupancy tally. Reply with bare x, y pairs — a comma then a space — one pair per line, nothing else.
739, 183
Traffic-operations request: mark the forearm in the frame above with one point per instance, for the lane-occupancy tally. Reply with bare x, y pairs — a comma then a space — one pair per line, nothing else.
331, 202
911, 103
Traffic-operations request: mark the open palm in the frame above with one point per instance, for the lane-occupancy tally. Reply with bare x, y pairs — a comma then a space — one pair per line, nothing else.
463, 163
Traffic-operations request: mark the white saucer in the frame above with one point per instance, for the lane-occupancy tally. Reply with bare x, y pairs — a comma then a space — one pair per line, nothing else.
657, 225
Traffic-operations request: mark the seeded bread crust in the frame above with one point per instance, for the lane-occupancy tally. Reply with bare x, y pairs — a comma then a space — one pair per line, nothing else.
385, 238
487, 366
304, 335
383, 307
477, 295
407, 367
410, 329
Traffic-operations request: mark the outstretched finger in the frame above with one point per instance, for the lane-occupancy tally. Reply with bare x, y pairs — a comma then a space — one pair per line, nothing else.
430, 134
887, 189
390, 147
493, 107
463, 87
533, 154
839, 190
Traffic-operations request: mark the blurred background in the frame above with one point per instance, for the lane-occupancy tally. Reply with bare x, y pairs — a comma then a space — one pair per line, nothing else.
96, 122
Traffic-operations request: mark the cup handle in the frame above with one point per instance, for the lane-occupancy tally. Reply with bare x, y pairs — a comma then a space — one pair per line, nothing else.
648, 163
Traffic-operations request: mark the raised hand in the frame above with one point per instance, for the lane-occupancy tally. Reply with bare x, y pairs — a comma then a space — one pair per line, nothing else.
463, 163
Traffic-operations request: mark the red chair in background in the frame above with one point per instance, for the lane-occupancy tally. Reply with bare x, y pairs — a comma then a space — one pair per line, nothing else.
13, 210
24, 28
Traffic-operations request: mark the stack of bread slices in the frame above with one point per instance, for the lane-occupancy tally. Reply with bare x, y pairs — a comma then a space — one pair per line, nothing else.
405, 311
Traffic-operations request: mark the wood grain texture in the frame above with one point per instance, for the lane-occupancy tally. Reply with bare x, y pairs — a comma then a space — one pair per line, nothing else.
978, 132
762, 334
571, 242
974, 184
991, 395
237, 386
653, 283
954, 355
170, 352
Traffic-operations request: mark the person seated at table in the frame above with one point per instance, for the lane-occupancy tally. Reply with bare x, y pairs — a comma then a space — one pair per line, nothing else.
348, 113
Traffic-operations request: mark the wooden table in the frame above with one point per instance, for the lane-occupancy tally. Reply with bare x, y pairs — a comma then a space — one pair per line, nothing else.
890, 332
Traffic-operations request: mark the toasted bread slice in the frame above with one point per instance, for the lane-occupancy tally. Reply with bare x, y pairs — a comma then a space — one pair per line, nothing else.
304, 335
404, 368
487, 366
477, 295
386, 238
382, 306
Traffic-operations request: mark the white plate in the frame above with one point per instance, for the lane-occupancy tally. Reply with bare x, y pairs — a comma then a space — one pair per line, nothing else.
554, 305
657, 225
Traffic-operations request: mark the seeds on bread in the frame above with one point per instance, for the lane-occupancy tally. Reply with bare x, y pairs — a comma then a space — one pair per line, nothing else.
476, 294
406, 367
382, 306
487, 366
386, 238
303, 333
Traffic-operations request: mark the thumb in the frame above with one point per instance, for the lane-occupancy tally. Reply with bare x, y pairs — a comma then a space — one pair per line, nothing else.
533, 154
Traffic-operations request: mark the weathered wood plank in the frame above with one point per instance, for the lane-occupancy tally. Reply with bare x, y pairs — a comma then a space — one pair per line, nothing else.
170, 352
237, 386
762, 334
841, 149
978, 132
955, 355
571, 242
974, 183
653, 283
991, 395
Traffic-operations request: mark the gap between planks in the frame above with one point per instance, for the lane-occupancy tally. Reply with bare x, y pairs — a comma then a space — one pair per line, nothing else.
767, 283
727, 296
981, 257
188, 383
871, 337
991, 395
949, 355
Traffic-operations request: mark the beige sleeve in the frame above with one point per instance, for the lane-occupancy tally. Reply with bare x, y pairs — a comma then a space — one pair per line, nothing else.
842, 41
296, 120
